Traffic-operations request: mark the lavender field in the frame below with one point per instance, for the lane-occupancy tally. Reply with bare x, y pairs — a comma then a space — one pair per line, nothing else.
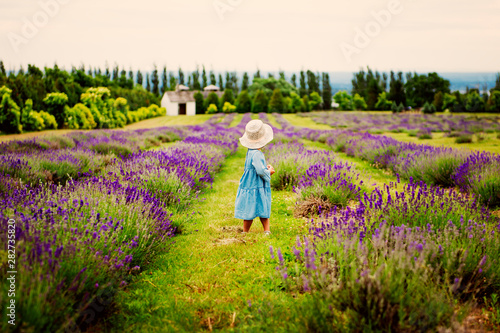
133, 230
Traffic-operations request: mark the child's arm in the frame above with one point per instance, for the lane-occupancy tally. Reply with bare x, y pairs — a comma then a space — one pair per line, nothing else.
259, 163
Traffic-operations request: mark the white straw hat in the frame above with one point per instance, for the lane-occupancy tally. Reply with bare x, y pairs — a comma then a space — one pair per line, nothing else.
257, 134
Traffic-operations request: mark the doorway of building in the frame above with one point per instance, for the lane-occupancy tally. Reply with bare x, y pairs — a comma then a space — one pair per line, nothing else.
182, 109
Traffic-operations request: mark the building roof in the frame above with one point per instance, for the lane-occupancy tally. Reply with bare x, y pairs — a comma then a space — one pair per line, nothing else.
180, 96
211, 88
182, 87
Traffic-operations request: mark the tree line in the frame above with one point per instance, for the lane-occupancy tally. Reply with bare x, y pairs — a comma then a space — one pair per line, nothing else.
372, 90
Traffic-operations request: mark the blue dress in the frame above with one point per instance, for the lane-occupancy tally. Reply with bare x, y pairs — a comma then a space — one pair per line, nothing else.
253, 198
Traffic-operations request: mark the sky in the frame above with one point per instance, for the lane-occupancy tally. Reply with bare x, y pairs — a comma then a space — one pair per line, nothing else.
243, 35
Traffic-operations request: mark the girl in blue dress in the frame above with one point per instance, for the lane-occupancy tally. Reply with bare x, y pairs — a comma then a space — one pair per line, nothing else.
253, 198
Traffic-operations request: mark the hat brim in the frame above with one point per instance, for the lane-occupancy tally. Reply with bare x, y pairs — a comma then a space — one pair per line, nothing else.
268, 137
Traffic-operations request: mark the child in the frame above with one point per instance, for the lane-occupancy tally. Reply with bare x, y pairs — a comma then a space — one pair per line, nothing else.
253, 198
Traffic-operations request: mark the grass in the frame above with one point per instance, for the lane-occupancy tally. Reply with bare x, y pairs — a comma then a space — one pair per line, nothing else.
295, 120
236, 120
490, 143
170, 121
272, 121
211, 271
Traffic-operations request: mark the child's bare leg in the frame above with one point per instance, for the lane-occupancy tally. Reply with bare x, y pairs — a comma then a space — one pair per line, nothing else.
246, 225
265, 223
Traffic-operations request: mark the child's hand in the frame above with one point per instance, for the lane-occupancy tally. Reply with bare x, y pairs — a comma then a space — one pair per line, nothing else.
271, 169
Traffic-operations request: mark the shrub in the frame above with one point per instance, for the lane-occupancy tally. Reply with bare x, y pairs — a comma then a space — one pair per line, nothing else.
277, 102
463, 138
56, 103
212, 98
401, 107
382, 102
228, 108
345, 101
260, 102
243, 102
79, 117
10, 114
428, 108
394, 107
315, 101
198, 98
296, 104
425, 136
49, 120
212, 108
359, 102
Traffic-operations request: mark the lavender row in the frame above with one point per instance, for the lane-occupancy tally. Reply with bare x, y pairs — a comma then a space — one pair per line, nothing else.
473, 172
78, 240
407, 122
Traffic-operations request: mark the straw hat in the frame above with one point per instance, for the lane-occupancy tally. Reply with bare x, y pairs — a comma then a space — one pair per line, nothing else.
257, 135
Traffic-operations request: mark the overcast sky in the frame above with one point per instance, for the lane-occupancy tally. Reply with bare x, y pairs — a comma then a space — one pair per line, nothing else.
323, 35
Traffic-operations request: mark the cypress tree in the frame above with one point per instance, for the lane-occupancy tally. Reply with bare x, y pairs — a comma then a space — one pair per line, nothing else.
164, 80
204, 78
172, 80
282, 75
327, 92
245, 83
228, 96
181, 76
115, 74
257, 75
243, 102
198, 98
229, 82
260, 102
277, 102
212, 98
303, 87
148, 85
2, 69
155, 81
196, 79
139, 77
294, 80
213, 80
221, 82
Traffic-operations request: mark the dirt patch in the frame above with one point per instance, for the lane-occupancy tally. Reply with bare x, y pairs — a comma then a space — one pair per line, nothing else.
231, 228
228, 241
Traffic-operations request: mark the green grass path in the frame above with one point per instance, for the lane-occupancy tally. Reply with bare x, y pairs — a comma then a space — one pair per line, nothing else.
205, 280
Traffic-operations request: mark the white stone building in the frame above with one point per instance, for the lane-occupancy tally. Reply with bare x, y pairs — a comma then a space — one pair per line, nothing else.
182, 102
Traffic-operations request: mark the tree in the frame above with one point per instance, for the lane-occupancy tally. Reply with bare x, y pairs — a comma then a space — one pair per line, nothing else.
212, 98
257, 75
277, 102
229, 82
305, 103
181, 76
344, 100
148, 84
294, 80
10, 114
260, 102
449, 101
438, 101
2, 69
204, 78
172, 81
326, 92
383, 103
245, 83
312, 83
228, 96
474, 102
55, 103
221, 82
296, 104
268, 85
303, 87
139, 77
213, 80
314, 101
397, 88
428, 108
196, 79
243, 102
422, 88
359, 103
198, 98
494, 101
164, 80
